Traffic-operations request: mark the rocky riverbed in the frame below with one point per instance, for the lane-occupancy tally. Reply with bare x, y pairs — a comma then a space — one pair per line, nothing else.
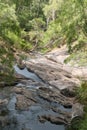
44, 95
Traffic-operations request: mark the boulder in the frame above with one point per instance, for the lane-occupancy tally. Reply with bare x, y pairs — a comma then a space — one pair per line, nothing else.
77, 110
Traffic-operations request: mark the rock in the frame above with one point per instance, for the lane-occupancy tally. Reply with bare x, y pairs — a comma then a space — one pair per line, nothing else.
4, 112
19, 77
58, 87
21, 64
3, 107
24, 98
6, 84
3, 102
80, 72
55, 96
52, 73
7, 121
23, 103
67, 115
53, 119
26, 129
52, 69
77, 110
4, 121
66, 92
18, 90
76, 115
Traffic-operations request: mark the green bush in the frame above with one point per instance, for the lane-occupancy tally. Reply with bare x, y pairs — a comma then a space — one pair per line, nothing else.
81, 123
82, 93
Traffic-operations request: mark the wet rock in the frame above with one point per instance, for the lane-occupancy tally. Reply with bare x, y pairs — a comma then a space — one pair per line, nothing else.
23, 103
7, 121
3, 107
3, 102
19, 77
24, 98
21, 64
57, 75
67, 105
55, 96
66, 114
77, 110
4, 112
68, 93
18, 90
26, 129
31, 83
53, 119
46, 90
4, 120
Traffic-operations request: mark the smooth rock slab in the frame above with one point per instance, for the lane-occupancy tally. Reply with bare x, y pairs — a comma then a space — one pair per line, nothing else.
52, 73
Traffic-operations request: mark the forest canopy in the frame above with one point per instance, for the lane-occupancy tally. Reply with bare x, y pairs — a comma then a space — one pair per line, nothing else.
40, 23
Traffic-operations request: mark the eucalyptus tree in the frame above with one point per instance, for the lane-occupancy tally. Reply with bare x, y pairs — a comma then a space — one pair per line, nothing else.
51, 9
73, 20
67, 20
27, 10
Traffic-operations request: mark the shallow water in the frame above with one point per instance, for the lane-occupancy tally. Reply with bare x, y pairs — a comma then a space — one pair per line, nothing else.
27, 74
28, 120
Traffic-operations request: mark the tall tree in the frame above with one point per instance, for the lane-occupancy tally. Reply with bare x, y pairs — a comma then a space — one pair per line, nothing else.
73, 19
50, 9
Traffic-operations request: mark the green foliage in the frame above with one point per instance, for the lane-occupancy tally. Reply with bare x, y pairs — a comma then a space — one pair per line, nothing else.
82, 93
78, 57
9, 26
9, 31
73, 20
52, 37
81, 124
8, 19
53, 17
43, 24
34, 36
50, 9
6, 58
37, 24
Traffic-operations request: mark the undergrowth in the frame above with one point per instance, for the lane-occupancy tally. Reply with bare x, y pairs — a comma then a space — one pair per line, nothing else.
77, 58
82, 97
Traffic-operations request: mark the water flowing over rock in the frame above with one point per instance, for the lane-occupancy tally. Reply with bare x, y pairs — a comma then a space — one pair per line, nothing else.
61, 78
44, 92
52, 73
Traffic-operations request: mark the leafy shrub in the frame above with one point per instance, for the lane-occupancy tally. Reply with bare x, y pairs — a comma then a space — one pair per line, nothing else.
82, 93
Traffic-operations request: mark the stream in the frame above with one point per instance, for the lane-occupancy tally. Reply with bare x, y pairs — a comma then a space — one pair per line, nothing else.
27, 119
